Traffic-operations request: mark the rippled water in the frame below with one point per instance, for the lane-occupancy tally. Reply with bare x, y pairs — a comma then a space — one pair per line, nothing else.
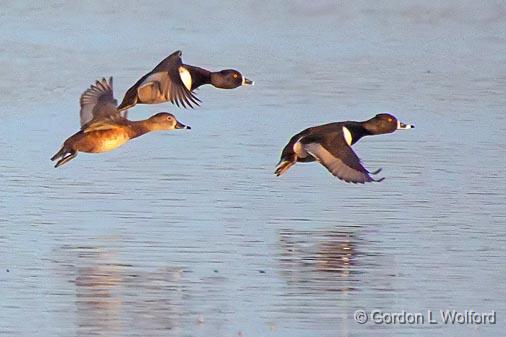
189, 233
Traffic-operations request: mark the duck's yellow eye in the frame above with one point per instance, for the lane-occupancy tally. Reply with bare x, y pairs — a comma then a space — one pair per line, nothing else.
390, 119
235, 75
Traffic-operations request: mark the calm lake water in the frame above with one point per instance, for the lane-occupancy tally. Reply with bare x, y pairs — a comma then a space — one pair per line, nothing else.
189, 233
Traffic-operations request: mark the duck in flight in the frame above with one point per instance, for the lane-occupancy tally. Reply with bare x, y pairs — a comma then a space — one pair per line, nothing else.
330, 144
173, 81
103, 127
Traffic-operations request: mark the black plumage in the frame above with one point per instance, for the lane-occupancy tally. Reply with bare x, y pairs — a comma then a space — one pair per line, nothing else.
330, 144
175, 82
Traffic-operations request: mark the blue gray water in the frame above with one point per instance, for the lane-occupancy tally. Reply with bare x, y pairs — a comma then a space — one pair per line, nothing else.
189, 233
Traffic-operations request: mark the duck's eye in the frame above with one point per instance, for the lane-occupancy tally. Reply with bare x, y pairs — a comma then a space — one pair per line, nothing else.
235, 75
389, 120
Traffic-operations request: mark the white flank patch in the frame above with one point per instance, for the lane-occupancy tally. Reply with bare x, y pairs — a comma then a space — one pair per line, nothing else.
185, 77
347, 135
299, 150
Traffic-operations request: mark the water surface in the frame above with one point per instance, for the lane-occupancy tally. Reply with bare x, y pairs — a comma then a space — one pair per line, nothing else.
189, 233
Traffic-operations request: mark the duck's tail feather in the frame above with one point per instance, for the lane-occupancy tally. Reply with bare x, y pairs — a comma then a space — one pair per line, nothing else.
129, 100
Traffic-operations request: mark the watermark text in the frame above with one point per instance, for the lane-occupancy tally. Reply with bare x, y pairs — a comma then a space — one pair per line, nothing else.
444, 316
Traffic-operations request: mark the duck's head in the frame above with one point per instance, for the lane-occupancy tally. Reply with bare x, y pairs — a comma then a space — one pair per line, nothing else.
166, 121
229, 79
385, 123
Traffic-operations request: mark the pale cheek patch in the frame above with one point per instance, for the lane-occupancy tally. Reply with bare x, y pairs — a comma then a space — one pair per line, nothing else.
185, 77
347, 135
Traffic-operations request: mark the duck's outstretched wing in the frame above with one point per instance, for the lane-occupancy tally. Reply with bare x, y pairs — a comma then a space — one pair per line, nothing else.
98, 103
338, 157
164, 83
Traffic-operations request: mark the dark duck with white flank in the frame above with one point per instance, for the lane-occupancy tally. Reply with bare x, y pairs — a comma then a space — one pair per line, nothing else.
330, 144
173, 81
103, 128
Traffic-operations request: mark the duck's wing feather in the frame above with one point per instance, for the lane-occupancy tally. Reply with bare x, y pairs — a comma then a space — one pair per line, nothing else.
338, 157
98, 108
162, 84
98, 102
171, 84
174, 60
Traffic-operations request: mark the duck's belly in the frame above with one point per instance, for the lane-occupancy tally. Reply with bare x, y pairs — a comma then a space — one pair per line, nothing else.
104, 142
154, 89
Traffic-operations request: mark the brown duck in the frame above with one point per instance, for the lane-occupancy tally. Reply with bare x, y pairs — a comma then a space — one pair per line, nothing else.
104, 128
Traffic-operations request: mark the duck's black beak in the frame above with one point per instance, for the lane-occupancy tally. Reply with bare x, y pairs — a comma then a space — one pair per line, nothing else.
246, 81
182, 126
402, 126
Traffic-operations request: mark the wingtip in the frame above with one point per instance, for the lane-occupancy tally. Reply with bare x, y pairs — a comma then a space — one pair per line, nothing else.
377, 171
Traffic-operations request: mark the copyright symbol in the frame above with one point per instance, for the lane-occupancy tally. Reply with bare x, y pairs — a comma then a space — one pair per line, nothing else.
360, 316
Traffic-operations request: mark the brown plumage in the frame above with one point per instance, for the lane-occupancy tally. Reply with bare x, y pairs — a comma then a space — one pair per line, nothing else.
104, 128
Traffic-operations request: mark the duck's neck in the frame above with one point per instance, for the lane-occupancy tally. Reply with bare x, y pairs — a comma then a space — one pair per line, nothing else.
138, 128
368, 127
357, 131
199, 76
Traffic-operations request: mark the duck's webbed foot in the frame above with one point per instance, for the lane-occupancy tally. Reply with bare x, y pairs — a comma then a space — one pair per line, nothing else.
71, 155
283, 166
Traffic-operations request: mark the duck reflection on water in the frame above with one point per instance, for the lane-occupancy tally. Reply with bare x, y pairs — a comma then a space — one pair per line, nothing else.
111, 296
319, 259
